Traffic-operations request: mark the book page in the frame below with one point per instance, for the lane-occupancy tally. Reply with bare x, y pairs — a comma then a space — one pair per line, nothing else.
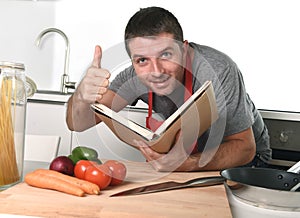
102, 109
168, 122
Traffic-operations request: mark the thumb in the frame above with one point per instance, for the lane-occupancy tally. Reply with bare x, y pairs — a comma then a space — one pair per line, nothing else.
97, 57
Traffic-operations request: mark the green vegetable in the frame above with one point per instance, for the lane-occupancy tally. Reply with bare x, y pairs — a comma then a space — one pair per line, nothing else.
83, 153
73, 158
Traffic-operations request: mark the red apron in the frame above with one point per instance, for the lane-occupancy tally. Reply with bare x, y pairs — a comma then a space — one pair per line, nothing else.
152, 123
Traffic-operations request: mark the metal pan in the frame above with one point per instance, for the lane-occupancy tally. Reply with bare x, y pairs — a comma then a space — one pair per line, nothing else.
263, 187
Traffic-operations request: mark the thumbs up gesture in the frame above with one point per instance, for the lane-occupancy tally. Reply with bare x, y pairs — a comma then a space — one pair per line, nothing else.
95, 82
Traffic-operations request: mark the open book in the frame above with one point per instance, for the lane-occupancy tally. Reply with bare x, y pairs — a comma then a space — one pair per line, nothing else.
194, 116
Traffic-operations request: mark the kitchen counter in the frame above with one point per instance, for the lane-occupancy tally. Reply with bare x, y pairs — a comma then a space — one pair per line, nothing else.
23, 199
47, 96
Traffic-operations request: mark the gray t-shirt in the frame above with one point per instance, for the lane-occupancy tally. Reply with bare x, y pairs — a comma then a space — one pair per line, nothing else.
236, 110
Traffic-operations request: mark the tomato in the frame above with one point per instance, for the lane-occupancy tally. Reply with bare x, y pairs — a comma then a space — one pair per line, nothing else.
98, 174
80, 168
118, 171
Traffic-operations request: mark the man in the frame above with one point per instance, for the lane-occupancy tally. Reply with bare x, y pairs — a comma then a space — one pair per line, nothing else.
165, 71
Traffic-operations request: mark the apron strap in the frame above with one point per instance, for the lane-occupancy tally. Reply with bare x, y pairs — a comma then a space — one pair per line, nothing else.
188, 79
150, 102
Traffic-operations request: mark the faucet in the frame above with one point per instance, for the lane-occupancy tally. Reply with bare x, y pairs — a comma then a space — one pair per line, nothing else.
65, 84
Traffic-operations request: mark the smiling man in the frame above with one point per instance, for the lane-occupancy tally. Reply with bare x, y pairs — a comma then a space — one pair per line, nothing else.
165, 71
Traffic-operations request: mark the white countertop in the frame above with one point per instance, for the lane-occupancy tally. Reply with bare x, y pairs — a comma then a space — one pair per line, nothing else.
50, 96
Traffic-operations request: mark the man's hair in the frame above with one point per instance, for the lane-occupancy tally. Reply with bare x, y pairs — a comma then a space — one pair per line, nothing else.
152, 21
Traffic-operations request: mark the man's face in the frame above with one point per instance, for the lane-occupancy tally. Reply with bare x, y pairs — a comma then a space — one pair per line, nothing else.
158, 62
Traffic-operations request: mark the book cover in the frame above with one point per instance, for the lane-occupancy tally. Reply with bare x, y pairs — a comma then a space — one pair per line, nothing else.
194, 117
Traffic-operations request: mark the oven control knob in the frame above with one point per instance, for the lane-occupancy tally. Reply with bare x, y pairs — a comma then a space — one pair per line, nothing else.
283, 137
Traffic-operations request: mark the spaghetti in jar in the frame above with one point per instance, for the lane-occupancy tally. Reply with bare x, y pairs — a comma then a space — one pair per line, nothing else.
13, 101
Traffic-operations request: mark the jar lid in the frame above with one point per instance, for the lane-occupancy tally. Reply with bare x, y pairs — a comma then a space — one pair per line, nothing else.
7, 64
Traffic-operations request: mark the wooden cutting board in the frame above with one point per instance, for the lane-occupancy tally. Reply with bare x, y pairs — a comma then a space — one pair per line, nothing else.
193, 202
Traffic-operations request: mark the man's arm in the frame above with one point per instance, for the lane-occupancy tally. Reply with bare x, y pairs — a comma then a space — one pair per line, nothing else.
92, 88
79, 114
236, 150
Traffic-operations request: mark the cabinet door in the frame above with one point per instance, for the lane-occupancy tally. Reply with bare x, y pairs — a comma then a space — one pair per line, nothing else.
49, 119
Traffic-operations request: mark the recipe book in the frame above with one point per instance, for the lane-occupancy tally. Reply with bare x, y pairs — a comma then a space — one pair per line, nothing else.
194, 116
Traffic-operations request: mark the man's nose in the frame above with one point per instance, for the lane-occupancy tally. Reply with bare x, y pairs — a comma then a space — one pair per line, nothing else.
157, 68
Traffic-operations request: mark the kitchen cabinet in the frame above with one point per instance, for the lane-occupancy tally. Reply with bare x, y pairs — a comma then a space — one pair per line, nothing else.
48, 118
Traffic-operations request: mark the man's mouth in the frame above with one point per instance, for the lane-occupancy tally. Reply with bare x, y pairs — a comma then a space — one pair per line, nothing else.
161, 83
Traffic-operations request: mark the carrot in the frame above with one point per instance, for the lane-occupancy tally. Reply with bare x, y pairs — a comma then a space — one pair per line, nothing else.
87, 187
47, 182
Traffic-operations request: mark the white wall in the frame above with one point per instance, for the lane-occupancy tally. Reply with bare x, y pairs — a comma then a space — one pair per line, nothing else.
262, 36
20, 23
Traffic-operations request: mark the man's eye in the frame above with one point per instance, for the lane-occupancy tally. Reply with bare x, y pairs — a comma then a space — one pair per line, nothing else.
140, 60
166, 55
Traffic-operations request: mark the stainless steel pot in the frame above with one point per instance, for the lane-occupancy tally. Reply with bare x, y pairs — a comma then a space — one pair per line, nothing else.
264, 187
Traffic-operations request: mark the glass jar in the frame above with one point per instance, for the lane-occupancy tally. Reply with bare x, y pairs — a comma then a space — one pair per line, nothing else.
13, 101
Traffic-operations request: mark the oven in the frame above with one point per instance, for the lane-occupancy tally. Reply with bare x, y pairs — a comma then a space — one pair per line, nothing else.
284, 131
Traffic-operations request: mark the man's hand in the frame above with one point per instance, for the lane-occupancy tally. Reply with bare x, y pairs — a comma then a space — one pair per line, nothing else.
90, 90
95, 83
172, 161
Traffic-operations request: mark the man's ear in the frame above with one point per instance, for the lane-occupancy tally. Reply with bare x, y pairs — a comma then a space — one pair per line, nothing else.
185, 46
185, 50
